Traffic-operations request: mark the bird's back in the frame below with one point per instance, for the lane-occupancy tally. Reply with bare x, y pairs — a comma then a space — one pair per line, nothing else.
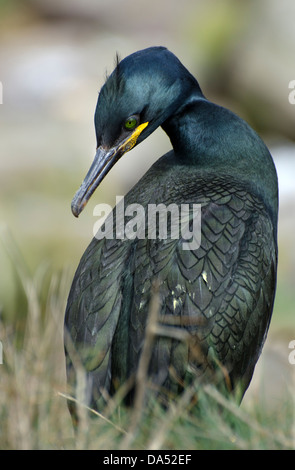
220, 295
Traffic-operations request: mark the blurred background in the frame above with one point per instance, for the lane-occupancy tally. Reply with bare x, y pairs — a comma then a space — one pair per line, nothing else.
53, 60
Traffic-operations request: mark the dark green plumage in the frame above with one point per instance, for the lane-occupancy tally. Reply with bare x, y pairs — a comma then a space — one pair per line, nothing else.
221, 293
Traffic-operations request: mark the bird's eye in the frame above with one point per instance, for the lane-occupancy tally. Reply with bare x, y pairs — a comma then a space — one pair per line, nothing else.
131, 123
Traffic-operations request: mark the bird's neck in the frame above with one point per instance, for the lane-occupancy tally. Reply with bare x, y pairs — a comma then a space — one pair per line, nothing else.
207, 135
210, 137
182, 129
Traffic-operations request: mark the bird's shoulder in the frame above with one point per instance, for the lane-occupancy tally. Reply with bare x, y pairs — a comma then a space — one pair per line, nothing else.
226, 284
230, 217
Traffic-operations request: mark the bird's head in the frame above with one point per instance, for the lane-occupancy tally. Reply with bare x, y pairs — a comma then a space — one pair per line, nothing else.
144, 90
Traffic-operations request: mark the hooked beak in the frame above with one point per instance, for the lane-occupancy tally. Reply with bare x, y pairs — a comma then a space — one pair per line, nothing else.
103, 161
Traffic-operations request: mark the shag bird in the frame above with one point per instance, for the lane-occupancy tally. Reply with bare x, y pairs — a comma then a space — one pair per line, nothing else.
218, 293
